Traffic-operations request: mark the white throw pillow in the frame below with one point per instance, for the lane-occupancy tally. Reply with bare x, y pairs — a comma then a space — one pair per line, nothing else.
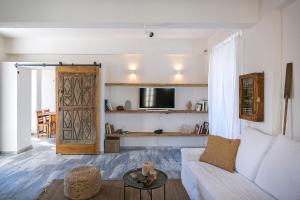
254, 146
279, 172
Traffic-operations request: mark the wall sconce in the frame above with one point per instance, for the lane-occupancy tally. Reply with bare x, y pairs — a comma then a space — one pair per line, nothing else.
178, 75
133, 71
133, 74
178, 67
132, 67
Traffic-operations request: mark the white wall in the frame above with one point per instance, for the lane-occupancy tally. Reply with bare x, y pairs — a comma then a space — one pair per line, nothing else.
15, 120
262, 53
2, 48
34, 100
8, 108
2, 57
290, 53
36, 96
24, 109
48, 96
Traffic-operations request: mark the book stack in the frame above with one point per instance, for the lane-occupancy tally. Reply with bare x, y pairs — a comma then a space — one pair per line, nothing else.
202, 129
109, 129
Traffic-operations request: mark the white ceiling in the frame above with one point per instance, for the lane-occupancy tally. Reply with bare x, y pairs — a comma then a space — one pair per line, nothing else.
106, 33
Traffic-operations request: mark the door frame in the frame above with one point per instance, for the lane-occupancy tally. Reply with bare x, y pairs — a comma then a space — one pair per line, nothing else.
78, 148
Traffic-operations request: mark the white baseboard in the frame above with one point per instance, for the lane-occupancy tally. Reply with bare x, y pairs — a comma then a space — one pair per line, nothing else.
16, 152
24, 149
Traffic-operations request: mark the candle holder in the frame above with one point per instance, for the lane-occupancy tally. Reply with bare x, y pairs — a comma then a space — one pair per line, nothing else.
147, 167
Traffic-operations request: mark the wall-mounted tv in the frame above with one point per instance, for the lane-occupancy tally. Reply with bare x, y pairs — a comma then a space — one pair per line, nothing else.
157, 98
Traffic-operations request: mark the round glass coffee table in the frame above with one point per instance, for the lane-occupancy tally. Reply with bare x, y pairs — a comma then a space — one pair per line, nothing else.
133, 182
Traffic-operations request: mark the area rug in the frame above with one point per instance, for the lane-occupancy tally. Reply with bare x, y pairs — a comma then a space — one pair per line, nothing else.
113, 190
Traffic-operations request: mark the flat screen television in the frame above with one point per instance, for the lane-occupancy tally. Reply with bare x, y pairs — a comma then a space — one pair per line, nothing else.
157, 98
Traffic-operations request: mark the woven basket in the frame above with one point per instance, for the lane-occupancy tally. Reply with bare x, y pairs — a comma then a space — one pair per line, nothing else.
82, 182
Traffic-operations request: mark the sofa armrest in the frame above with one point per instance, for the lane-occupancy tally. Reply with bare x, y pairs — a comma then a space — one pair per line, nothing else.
191, 154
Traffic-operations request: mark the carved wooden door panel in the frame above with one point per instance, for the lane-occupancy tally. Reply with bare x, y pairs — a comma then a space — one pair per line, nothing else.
77, 97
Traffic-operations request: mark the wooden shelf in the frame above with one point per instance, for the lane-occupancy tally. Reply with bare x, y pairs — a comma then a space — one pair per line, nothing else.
151, 134
154, 111
159, 84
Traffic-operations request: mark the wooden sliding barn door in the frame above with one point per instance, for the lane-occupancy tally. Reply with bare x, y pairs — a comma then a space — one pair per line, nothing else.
77, 105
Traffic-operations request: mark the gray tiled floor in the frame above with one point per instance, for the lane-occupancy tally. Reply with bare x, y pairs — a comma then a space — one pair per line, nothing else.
23, 176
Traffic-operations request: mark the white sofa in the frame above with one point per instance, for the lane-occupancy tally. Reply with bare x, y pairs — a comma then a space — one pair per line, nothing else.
267, 167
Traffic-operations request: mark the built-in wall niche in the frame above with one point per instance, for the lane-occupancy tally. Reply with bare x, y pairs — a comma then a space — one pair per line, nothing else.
136, 120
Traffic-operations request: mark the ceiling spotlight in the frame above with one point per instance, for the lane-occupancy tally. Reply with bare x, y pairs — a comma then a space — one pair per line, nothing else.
147, 32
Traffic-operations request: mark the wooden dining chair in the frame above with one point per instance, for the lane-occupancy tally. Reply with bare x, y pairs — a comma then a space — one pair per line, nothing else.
46, 110
42, 127
47, 117
52, 124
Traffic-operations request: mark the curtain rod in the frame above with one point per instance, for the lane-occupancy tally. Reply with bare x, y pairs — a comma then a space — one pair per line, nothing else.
59, 64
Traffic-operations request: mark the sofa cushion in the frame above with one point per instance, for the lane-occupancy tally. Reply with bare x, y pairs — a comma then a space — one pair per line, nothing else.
191, 154
205, 181
221, 152
279, 172
254, 146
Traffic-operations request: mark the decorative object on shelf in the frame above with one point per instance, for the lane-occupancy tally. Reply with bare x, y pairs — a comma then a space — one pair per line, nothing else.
147, 167
121, 132
287, 92
82, 182
120, 108
202, 129
252, 97
186, 129
189, 105
197, 129
127, 105
109, 129
201, 106
205, 104
205, 128
107, 132
158, 131
108, 105
198, 106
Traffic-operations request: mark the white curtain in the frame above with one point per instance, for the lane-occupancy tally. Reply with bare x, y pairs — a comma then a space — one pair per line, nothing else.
223, 86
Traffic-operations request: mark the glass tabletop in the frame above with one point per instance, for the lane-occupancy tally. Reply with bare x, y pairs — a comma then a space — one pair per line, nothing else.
135, 183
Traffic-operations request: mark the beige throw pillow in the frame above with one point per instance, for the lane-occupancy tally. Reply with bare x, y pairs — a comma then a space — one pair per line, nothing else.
221, 152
